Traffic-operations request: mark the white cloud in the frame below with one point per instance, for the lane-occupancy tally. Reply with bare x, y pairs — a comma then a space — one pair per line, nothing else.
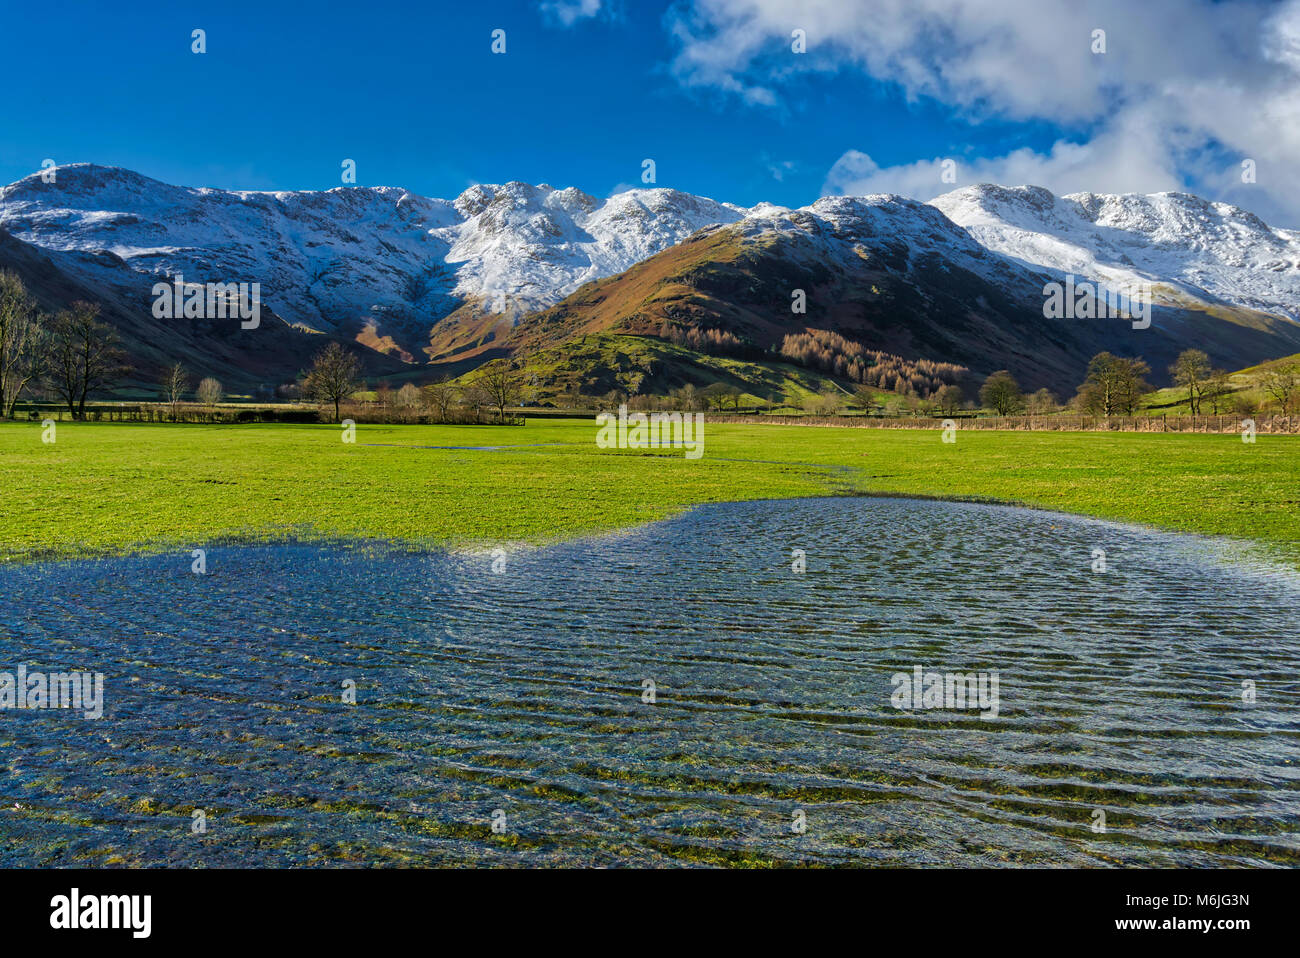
568, 12
1132, 153
1282, 36
1184, 91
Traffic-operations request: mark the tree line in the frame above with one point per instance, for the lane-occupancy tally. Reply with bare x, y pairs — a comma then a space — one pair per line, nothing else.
69, 353
74, 355
1115, 386
334, 379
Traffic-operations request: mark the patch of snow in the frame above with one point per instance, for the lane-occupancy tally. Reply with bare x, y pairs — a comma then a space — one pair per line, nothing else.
1210, 251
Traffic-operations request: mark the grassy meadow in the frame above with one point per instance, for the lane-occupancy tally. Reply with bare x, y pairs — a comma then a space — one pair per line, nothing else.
107, 488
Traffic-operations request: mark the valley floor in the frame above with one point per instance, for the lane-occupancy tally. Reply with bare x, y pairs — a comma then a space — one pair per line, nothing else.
106, 488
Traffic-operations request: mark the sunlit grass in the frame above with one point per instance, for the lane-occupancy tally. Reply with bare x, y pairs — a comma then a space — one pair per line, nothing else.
106, 488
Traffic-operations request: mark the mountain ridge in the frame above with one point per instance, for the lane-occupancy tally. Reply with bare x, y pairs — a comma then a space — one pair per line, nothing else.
890, 274
418, 279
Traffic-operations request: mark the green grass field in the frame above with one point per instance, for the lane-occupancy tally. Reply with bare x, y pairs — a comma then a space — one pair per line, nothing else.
108, 488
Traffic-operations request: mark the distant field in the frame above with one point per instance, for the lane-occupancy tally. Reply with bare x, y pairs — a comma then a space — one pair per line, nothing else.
107, 488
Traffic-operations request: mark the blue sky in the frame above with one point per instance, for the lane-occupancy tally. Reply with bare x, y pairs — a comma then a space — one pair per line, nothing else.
709, 89
413, 93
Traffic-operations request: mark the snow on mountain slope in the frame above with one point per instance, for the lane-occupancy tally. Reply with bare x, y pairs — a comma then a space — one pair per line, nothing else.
836, 227
523, 247
336, 259
323, 258
382, 257
1208, 251
886, 273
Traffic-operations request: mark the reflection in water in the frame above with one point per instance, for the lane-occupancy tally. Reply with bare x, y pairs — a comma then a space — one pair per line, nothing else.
522, 691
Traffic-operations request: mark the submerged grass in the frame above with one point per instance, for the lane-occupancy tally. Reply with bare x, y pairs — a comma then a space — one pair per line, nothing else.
109, 488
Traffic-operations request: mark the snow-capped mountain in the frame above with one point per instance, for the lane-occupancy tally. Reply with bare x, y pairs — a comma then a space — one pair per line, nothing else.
847, 276
417, 278
1192, 247
351, 256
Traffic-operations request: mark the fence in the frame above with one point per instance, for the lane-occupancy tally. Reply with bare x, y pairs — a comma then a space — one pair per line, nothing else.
366, 413
185, 414
360, 413
1206, 424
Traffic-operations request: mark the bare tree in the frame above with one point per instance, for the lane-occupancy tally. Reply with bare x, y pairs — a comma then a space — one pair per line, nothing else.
950, 399
335, 375
84, 355
175, 383
1191, 370
23, 342
1043, 403
1283, 384
1114, 385
1133, 385
209, 392
476, 396
407, 402
502, 384
1002, 394
408, 397
441, 397
1218, 389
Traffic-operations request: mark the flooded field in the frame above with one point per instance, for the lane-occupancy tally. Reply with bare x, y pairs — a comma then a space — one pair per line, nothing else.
677, 694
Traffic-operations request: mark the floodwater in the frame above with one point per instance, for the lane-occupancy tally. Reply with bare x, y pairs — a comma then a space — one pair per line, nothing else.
1146, 715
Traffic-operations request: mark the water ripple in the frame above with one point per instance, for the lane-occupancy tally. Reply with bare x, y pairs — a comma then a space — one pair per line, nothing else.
521, 690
